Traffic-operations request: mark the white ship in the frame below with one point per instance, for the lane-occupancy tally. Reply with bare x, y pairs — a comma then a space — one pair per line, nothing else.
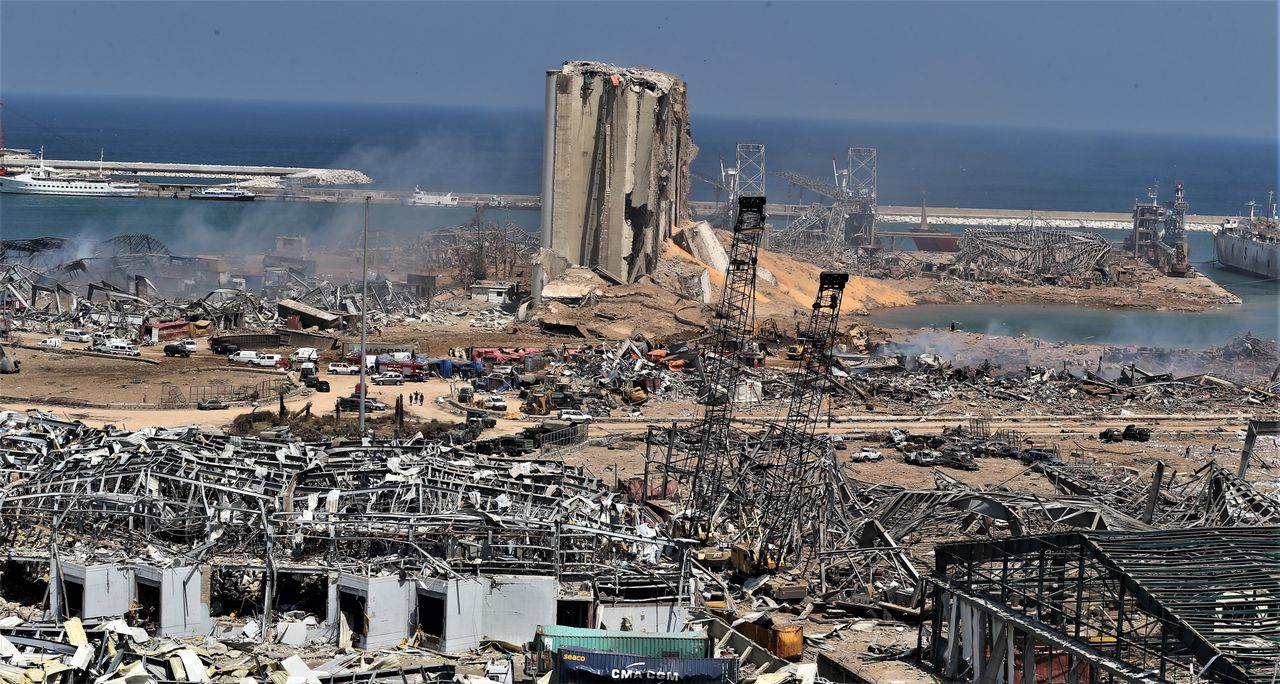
46, 180
431, 199
224, 193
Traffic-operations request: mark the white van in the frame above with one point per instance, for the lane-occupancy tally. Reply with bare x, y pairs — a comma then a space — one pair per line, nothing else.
244, 356
52, 342
73, 335
268, 360
305, 354
122, 348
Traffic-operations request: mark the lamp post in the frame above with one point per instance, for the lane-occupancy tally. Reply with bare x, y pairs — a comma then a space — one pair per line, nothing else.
364, 313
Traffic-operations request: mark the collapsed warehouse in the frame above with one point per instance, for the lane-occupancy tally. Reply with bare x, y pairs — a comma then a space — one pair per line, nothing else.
1034, 253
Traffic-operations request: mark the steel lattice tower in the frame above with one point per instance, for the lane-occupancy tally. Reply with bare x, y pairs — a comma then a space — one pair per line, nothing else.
733, 326
750, 160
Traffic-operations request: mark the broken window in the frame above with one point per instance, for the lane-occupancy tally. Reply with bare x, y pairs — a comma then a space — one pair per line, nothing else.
431, 615
573, 613
23, 582
306, 592
72, 598
236, 592
352, 612
146, 602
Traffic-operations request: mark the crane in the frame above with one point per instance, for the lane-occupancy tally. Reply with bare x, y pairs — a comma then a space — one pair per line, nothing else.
733, 325
787, 482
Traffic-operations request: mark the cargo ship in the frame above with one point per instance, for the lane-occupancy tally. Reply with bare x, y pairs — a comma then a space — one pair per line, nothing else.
930, 240
223, 193
1251, 244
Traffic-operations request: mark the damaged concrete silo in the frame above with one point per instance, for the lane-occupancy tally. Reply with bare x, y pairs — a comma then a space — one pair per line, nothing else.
616, 168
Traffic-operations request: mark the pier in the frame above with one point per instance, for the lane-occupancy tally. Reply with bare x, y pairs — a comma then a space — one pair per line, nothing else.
330, 177
884, 214
187, 170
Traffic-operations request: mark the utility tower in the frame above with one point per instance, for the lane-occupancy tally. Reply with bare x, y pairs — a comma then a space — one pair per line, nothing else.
745, 178
849, 219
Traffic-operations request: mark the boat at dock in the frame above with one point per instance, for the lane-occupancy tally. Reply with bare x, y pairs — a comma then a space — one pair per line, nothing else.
930, 240
223, 193
432, 199
1251, 244
46, 180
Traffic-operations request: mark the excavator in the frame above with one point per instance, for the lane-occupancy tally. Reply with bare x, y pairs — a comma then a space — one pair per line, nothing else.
768, 330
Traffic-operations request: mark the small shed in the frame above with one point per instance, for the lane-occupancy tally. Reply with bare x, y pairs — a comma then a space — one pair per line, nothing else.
493, 291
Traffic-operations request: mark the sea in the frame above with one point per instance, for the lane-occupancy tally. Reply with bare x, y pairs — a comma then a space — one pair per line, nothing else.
499, 151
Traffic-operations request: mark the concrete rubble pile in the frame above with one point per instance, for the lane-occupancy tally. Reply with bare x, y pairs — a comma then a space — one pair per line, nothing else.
49, 307
80, 651
324, 305
935, 382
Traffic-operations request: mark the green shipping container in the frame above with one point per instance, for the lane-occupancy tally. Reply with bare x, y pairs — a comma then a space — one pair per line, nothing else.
550, 638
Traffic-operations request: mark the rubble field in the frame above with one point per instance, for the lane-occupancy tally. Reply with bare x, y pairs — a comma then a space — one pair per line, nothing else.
74, 378
1144, 288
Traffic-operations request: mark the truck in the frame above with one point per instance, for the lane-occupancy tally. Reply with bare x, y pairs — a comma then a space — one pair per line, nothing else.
795, 351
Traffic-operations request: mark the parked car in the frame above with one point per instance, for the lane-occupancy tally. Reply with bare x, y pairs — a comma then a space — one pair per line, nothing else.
267, 360
574, 416
494, 402
176, 349
322, 386
243, 356
866, 455
310, 380
465, 394
190, 345
52, 342
212, 405
391, 378
343, 368
353, 404
224, 348
73, 335
307, 369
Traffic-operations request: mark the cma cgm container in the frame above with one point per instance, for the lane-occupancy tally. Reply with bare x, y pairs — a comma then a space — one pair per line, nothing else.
585, 666
551, 638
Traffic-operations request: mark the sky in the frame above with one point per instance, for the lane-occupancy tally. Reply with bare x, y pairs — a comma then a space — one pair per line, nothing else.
1154, 66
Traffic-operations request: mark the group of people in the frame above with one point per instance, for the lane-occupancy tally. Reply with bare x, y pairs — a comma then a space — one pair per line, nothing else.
417, 398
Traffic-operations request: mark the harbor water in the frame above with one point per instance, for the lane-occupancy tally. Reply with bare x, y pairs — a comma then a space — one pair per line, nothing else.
499, 152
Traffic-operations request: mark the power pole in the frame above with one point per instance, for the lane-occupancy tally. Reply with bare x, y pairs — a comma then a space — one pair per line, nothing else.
364, 314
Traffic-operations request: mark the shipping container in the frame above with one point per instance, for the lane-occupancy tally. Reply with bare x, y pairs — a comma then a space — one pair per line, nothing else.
549, 639
587, 666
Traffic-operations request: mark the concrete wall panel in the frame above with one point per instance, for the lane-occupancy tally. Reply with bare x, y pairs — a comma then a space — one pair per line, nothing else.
514, 606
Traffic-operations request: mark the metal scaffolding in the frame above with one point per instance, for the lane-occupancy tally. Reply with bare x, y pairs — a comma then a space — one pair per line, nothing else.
1142, 606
